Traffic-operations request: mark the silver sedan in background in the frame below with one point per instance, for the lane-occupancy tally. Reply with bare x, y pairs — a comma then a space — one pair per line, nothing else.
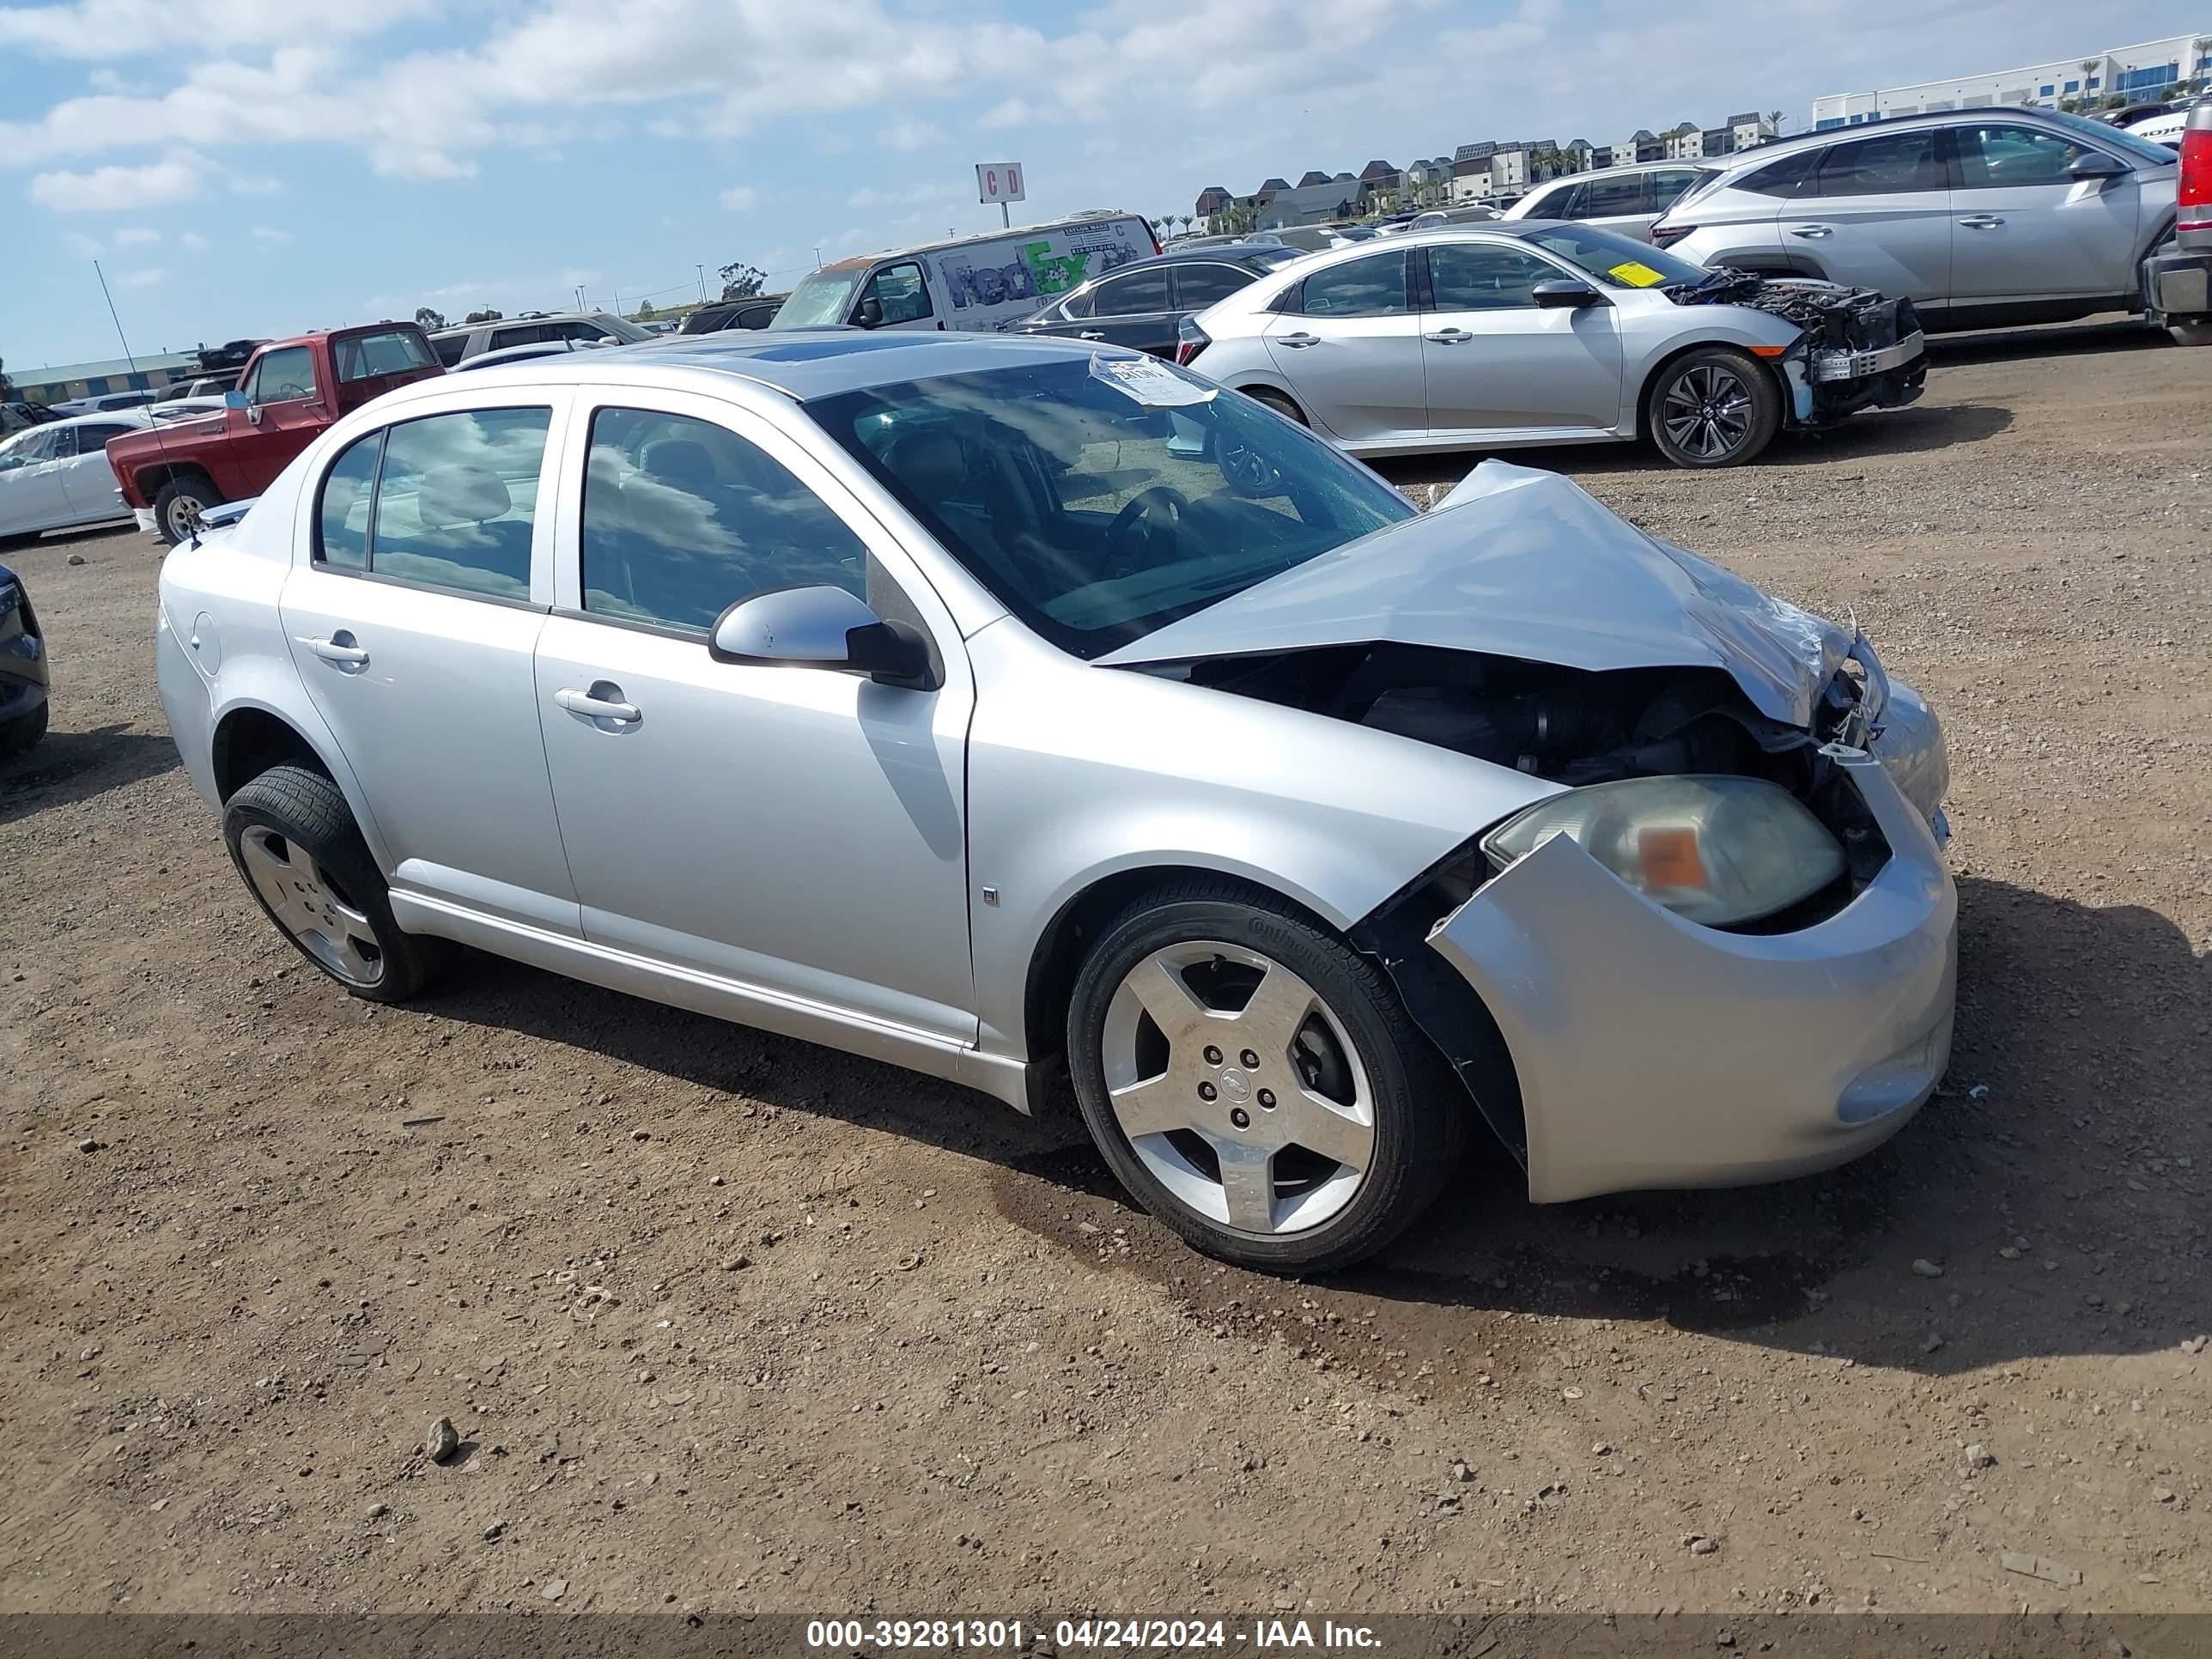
1533, 332
991, 704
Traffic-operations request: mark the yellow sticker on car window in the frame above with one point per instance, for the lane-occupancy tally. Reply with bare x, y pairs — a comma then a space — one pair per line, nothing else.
1635, 275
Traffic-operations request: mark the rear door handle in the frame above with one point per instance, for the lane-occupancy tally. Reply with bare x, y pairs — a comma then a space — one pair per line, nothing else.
1982, 222
1090, 334
338, 649
602, 703
1448, 335
1298, 341
1810, 230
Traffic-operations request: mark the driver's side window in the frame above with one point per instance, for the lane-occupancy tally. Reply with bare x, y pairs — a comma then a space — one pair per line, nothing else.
897, 294
684, 517
280, 376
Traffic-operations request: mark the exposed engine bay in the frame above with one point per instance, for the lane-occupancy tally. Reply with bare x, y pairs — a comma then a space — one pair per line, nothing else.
1861, 348
1573, 726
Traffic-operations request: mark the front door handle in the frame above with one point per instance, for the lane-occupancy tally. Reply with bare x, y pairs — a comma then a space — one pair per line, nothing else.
1982, 222
1299, 341
1448, 335
1090, 334
1810, 231
602, 703
339, 650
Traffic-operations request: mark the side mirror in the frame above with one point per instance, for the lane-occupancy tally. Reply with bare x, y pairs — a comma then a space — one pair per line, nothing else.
10, 463
871, 312
1564, 294
2096, 164
233, 399
821, 627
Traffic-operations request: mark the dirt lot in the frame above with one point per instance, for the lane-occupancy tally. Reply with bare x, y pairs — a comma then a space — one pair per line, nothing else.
729, 1323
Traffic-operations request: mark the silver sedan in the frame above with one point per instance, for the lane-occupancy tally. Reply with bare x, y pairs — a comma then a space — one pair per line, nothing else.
1533, 332
994, 705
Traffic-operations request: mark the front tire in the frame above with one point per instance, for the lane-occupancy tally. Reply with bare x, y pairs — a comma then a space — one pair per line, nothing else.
1715, 406
1255, 1084
180, 502
22, 731
300, 855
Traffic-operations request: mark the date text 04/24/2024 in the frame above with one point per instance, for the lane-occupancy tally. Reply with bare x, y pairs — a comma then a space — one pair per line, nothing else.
1085, 1635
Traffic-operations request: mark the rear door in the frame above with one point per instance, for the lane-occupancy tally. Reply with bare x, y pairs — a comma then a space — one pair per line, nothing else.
1877, 214
88, 479
412, 610
1132, 308
1622, 203
1497, 363
1350, 348
2026, 228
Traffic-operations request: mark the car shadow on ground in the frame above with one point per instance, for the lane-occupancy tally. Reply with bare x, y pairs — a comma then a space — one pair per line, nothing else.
2058, 1125
70, 767
2056, 340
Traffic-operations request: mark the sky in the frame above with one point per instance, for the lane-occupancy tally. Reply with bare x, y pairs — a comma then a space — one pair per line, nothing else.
257, 167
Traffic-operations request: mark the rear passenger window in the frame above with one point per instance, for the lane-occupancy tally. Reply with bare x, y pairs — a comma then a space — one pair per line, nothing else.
1897, 163
1609, 199
449, 347
1200, 286
1784, 177
683, 518
1140, 292
447, 501
1373, 286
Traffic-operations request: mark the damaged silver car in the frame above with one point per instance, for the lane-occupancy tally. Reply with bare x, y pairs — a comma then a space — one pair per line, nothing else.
995, 706
1530, 331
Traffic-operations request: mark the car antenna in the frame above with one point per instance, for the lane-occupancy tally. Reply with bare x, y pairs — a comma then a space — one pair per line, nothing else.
153, 421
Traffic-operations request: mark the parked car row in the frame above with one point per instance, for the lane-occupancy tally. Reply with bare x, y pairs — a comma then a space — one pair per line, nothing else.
456, 345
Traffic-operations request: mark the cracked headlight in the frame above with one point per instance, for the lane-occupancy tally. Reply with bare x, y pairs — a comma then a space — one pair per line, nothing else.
1714, 850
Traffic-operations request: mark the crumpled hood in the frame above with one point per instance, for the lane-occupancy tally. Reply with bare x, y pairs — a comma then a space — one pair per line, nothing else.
1518, 562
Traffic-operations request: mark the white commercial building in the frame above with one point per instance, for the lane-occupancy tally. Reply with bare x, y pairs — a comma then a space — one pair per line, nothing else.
2130, 72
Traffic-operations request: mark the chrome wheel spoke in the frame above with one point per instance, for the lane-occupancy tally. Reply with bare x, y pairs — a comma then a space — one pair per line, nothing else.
1167, 997
1154, 1106
1278, 1010
1320, 1124
1248, 1183
311, 907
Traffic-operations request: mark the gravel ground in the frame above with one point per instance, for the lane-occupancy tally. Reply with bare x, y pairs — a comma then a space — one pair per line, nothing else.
726, 1322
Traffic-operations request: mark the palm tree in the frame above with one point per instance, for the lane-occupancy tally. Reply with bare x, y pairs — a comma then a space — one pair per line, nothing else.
1186, 222
2199, 50
1774, 120
2088, 70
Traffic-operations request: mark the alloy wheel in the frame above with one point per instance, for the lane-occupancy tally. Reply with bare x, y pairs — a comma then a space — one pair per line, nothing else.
184, 514
311, 907
1237, 1088
1707, 411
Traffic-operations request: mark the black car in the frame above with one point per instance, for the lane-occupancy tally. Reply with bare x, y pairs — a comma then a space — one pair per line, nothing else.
758, 312
23, 669
15, 416
1141, 305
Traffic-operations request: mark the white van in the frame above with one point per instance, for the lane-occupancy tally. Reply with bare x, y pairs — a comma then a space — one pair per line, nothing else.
977, 282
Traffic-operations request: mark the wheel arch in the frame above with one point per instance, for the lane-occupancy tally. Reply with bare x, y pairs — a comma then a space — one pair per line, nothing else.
253, 731
1641, 411
151, 480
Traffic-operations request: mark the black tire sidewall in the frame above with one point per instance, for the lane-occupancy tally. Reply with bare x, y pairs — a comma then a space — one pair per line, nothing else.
1419, 1124
1765, 401
169, 493
22, 733
1281, 403
308, 809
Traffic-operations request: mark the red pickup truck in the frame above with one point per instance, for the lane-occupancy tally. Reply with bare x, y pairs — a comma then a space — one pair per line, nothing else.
290, 391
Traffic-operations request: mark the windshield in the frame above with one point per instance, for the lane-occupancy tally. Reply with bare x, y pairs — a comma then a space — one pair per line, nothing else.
2146, 154
824, 298
1616, 261
1100, 499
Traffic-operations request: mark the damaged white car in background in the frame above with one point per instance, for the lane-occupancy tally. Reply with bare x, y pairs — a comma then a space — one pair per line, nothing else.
985, 703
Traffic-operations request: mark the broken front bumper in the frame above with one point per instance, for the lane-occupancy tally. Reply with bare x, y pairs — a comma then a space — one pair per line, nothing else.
1651, 1051
1846, 365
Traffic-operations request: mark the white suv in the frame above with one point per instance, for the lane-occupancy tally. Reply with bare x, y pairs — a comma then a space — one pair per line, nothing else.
1982, 217
455, 345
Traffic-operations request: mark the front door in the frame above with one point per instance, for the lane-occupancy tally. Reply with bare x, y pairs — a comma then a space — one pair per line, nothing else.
413, 618
2026, 228
1877, 214
1352, 350
1498, 363
284, 411
32, 494
797, 830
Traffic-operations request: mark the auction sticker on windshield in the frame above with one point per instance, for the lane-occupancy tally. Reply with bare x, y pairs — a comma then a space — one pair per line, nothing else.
1636, 274
1150, 383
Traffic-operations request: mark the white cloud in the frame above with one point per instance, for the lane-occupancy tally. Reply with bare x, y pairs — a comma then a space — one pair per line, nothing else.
146, 276
1013, 112
175, 178
193, 242
135, 236
912, 135
128, 28
269, 236
740, 198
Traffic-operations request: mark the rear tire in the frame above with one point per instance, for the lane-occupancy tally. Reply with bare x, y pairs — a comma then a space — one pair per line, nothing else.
300, 855
1279, 402
1301, 1132
1712, 407
179, 500
24, 731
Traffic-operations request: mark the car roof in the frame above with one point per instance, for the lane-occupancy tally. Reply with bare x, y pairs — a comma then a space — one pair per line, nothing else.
1759, 153
132, 416
802, 363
